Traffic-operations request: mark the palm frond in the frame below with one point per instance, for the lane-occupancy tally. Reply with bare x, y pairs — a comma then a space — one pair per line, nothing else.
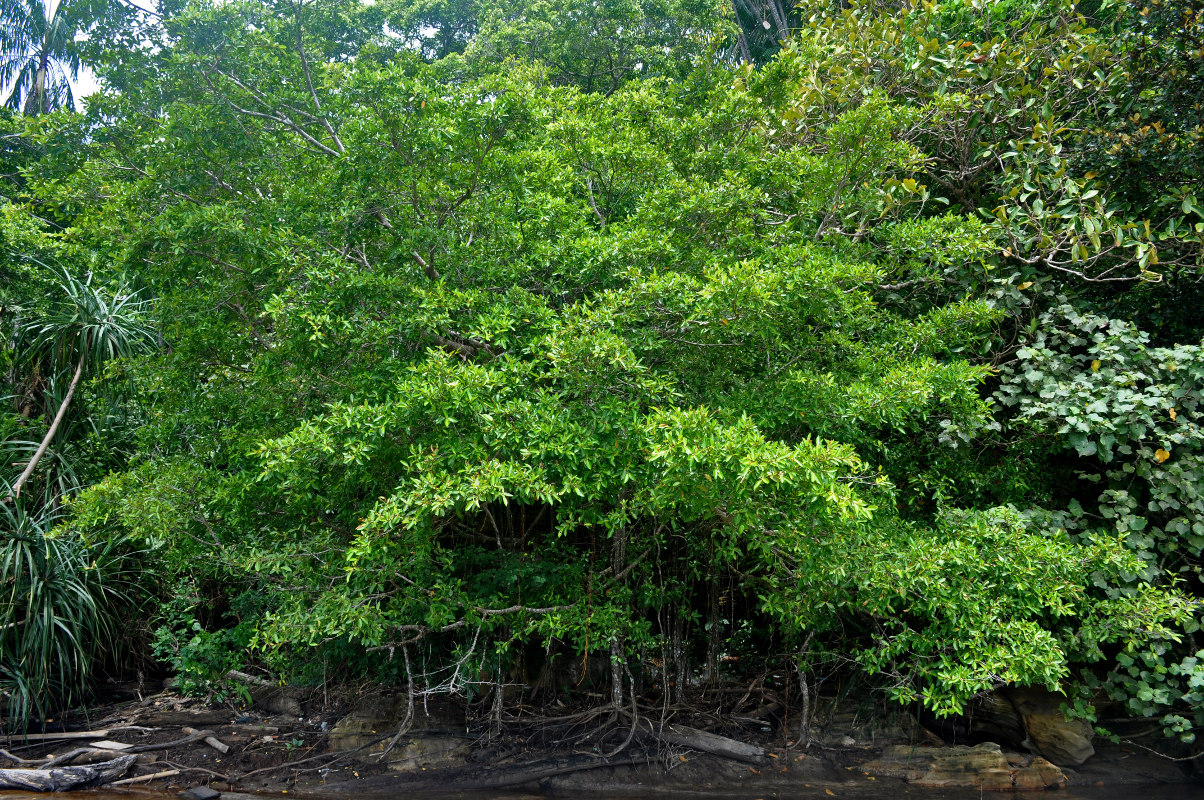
22, 85
33, 32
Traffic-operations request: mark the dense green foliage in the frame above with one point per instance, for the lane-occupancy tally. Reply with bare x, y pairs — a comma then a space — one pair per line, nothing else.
492, 338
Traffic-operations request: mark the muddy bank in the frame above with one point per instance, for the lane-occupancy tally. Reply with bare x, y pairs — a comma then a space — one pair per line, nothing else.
307, 743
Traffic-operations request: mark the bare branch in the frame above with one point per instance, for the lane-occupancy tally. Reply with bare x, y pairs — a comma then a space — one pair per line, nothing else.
334, 137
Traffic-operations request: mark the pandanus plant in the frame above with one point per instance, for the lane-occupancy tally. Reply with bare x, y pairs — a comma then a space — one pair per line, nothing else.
86, 327
59, 603
60, 594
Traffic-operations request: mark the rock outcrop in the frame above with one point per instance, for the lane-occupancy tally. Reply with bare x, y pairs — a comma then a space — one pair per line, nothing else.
1066, 742
1032, 719
435, 739
983, 766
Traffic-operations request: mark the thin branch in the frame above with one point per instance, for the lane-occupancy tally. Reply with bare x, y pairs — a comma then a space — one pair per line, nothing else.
430, 271
334, 137
278, 116
589, 187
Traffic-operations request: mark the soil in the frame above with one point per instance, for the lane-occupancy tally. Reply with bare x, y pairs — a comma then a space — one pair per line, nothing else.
294, 753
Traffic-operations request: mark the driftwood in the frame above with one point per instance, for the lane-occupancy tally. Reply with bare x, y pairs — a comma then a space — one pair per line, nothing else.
154, 776
50, 737
212, 741
217, 744
702, 741
76, 757
19, 760
192, 737
93, 753
82, 755
61, 779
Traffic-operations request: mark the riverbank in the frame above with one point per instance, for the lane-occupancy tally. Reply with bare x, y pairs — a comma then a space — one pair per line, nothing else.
286, 741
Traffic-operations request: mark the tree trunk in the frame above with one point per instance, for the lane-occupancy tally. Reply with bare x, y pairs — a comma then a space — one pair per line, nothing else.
618, 654
36, 102
779, 20
54, 426
618, 659
804, 728
713, 636
679, 657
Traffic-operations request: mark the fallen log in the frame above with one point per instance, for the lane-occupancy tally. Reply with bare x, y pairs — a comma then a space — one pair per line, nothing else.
81, 755
62, 779
245, 678
85, 752
702, 741
175, 719
71, 756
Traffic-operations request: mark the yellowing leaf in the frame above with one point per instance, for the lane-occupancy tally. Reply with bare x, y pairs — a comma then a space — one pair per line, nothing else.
1174, 416
1161, 455
1095, 365
1024, 285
